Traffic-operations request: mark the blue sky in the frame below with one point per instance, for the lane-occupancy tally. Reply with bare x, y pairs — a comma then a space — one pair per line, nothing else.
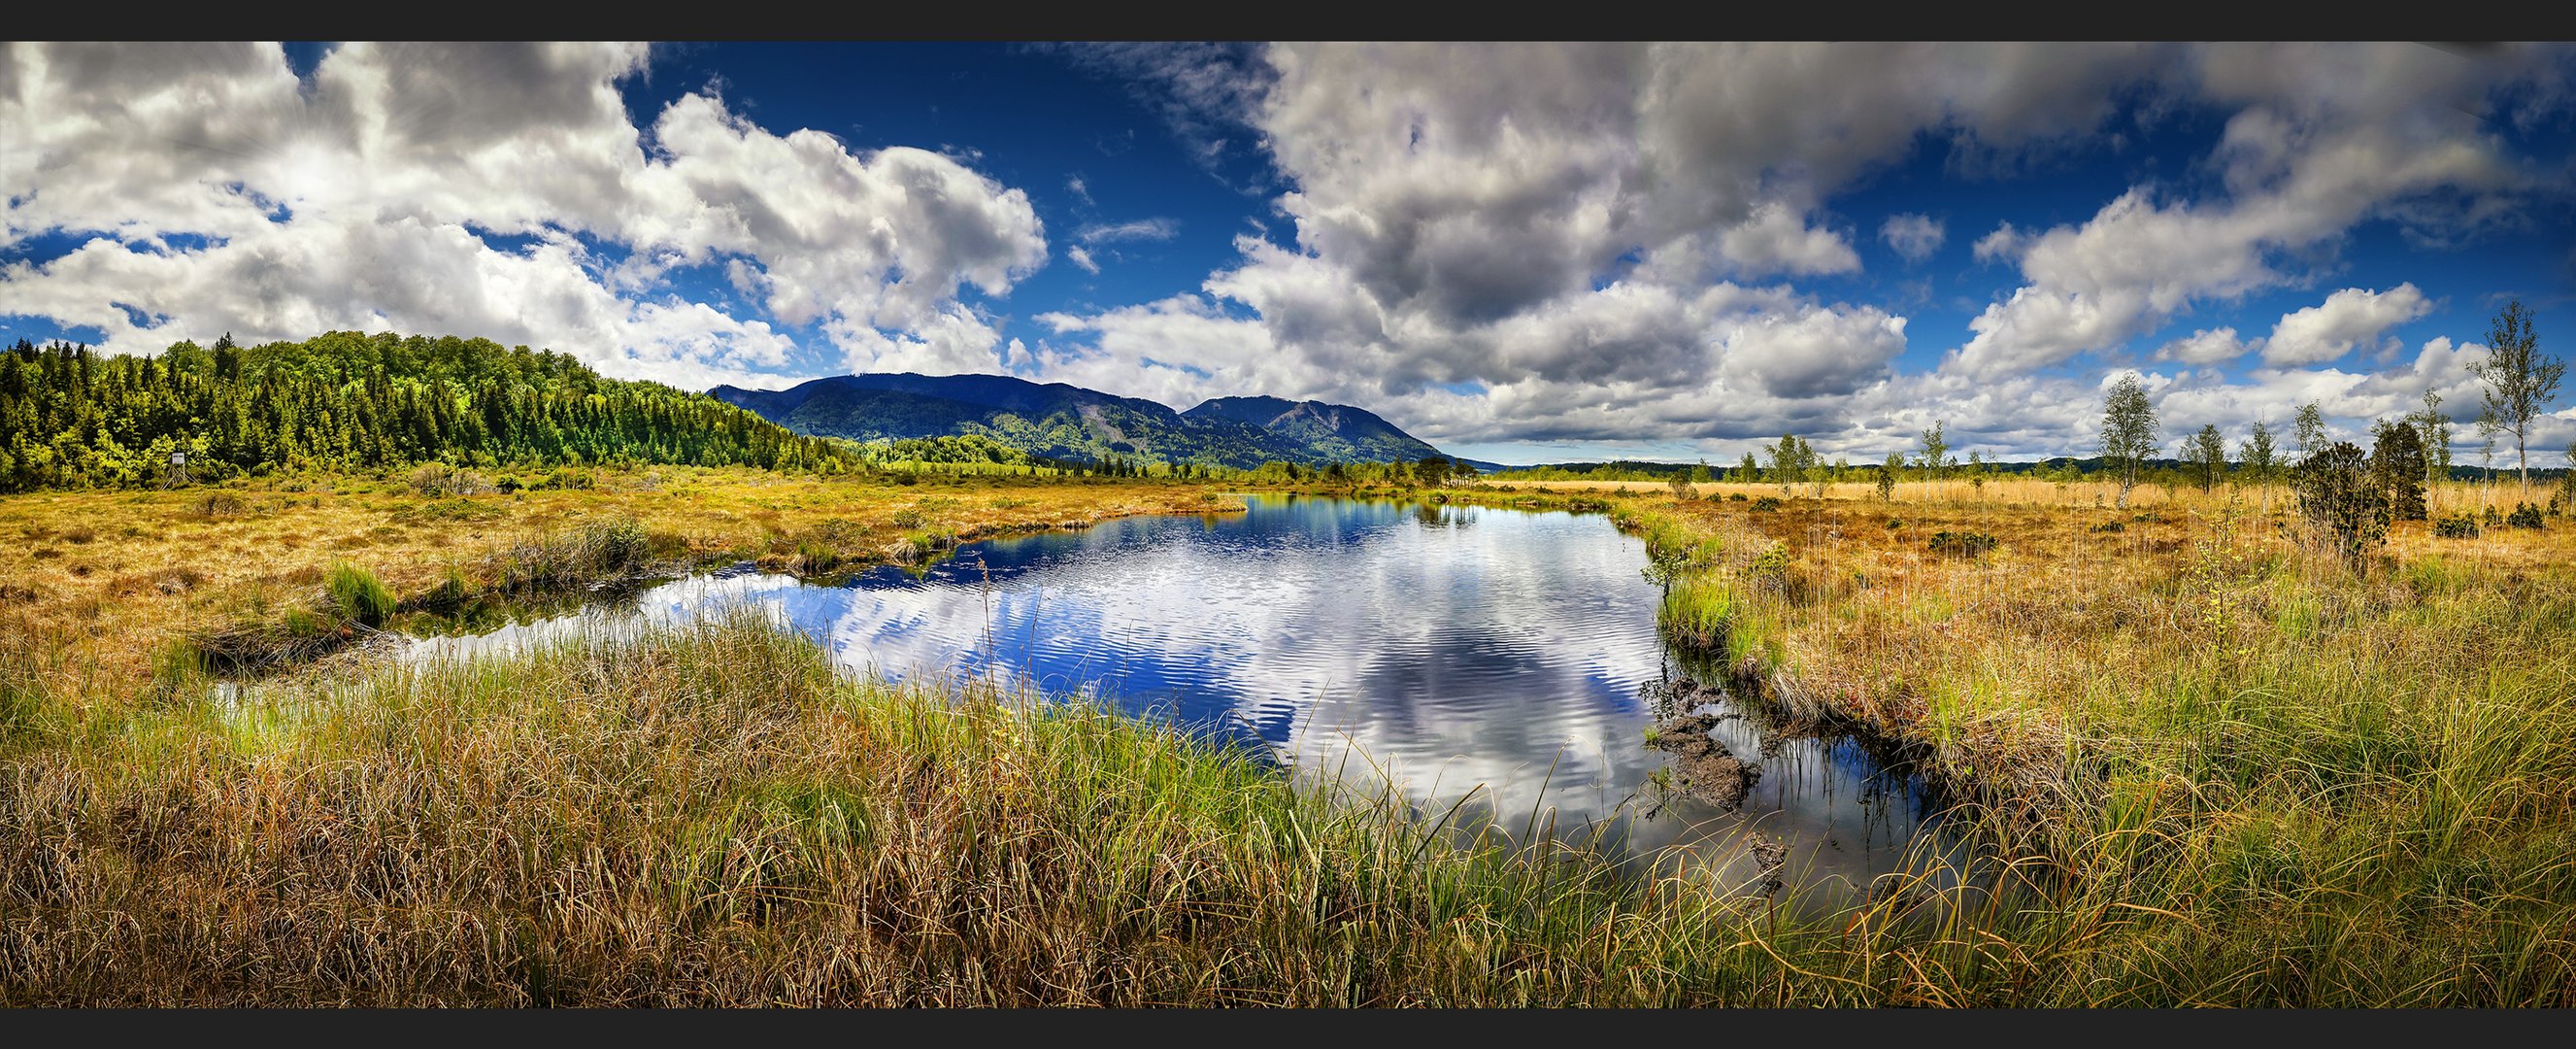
1519, 252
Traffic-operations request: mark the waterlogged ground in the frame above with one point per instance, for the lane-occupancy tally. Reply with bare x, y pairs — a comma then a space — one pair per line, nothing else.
1507, 657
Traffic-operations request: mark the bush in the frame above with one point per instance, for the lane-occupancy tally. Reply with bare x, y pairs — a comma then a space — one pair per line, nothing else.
2342, 503
220, 504
1894, 523
2462, 525
2525, 515
910, 519
1766, 504
2493, 519
358, 594
1771, 568
1961, 544
437, 479
568, 479
1737, 497
2110, 526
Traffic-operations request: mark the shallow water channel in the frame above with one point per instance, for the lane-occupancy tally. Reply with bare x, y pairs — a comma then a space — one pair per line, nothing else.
1459, 650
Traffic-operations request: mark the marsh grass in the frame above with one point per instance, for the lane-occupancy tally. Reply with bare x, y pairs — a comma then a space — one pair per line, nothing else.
2205, 764
2308, 784
710, 815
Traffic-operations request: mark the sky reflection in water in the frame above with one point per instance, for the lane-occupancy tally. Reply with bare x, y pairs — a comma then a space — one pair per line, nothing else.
1451, 647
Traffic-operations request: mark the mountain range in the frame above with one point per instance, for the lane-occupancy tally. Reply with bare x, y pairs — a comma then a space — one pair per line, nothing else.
1063, 421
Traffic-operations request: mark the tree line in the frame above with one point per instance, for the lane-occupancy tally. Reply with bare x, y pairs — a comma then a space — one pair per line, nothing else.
73, 417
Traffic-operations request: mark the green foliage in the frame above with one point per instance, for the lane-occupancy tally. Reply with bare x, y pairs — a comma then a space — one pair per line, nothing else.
1765, 504
2110, 526
2397, 467
2128, 432
2258, 455
2461, 525
2521, 381
2341, 502
2525, 515
358, 594
70, 417
1936, 451
2204, 458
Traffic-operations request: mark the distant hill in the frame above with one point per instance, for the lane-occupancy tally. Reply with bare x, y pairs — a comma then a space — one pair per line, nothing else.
1063, 421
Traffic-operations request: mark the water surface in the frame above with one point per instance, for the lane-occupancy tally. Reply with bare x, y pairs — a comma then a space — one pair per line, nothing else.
1505, 656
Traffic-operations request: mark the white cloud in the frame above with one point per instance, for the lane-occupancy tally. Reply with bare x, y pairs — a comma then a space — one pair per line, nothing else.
2326, 136
2351, 317
1815, 352
227, 195
1517, 243
1775, 240
1916, 237
1141, 229
2004, 242
1081, 256
2206, 347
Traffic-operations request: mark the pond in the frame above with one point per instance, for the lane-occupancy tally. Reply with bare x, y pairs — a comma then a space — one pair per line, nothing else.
1503, 656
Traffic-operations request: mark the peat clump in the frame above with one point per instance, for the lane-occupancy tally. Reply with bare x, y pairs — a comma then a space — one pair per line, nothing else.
1702, 767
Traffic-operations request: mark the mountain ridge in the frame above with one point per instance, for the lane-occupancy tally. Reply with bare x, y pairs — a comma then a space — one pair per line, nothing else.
1064, 421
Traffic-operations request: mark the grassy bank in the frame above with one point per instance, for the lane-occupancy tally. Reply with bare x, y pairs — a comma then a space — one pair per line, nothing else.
111, 583
2326, 785
2226, 772
711, 816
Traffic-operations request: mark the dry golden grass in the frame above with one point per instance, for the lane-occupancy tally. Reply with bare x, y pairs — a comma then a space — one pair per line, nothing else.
114, 575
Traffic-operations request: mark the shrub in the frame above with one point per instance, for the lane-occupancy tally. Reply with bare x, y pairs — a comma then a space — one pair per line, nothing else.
2110, 526
1895, 523
2341, 502
910, 519
1961, 544
2462, 525
1771, 568
568, 479
2493, 519
220, 504
1766, 504
437, 479
2524, 515
358, 594
1737, 497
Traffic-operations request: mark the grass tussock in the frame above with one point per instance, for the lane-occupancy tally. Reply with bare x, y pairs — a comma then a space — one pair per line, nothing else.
709, 815
2327, 785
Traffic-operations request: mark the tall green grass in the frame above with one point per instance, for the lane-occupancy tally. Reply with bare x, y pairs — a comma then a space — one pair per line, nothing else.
710, 815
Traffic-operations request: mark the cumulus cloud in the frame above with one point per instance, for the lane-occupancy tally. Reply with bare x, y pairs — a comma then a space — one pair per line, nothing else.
1915, 237
2324, 136
1775, 240
1514, 243
1486, 243
2206, 347
489, 190
2351, 317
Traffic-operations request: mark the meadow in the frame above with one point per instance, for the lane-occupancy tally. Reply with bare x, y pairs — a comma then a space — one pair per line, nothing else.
2204, 763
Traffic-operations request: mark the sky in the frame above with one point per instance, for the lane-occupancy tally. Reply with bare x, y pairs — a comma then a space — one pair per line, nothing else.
1519, 252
